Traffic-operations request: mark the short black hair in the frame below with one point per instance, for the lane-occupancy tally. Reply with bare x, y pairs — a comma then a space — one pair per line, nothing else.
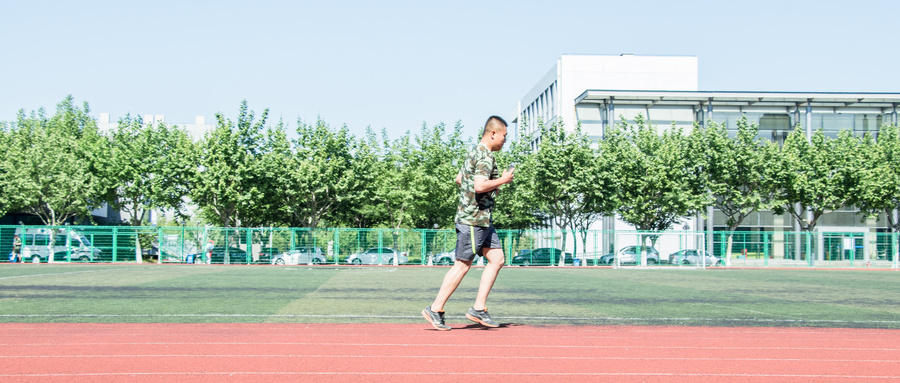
490, 119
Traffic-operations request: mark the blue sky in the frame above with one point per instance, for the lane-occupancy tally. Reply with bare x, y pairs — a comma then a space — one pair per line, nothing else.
397, 65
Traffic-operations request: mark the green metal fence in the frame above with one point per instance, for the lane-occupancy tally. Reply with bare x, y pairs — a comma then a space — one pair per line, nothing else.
303, 246
811, 249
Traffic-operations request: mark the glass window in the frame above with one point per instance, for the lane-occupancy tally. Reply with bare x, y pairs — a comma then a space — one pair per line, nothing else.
869, 122
663, 117
836, 122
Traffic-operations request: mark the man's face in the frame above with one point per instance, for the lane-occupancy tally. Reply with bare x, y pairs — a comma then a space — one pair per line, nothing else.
498, 138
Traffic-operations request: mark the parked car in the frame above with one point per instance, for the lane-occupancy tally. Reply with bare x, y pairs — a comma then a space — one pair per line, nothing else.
631, 255
300, 256
378, 256
693, 257
267, 254
545, 256
446, 258
220, 254
37, 246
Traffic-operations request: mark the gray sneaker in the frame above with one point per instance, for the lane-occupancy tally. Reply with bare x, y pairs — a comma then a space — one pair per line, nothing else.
481, 316
435, 318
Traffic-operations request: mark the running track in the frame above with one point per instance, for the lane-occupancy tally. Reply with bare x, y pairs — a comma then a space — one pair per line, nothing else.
402, 353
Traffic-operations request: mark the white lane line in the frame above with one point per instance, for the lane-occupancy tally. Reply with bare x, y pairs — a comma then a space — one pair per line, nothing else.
551, 374
346, 356
65, 273
447, 345
525, 318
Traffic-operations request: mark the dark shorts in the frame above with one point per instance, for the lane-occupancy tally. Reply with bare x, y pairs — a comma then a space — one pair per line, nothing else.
470, 240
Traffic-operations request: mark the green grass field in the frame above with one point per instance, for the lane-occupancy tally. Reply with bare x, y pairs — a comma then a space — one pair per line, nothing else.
537, 296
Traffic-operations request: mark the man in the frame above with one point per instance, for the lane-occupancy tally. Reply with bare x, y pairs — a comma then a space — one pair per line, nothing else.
209, 251
17, 249
478, 182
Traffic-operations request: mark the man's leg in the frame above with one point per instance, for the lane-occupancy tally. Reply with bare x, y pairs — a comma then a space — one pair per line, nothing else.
489, 275
451, 281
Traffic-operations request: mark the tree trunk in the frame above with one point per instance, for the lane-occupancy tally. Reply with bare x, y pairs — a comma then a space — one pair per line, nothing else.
562, 253
728, 245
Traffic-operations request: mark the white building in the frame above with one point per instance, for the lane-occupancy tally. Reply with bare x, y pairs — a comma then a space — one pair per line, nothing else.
554, 96
597, 91
196, 129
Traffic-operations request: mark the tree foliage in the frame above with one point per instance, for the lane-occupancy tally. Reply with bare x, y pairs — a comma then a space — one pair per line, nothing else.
878, 189
245, 172
517, 207
656, 184
151, 165
7, 194
59, 166
563, 176
817, 175
229, 182
319, 173
435, 159
737, 172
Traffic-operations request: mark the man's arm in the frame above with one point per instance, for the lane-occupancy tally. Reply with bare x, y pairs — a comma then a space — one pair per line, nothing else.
483, 185
458, 179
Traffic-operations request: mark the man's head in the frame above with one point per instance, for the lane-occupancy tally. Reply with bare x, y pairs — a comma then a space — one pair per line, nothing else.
494, 135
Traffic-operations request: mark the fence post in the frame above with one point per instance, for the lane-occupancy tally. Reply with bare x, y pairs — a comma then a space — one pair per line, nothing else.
159, 237
68, 250
425, 251
895, 248
400, 250
293, 240
181, 253
115, 243
337, 246
723, 246
809, 256
249, 245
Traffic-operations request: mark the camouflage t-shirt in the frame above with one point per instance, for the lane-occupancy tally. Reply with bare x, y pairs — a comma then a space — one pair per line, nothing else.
475, 208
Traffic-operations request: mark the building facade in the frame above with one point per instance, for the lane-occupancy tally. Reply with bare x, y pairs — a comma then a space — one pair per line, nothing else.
552, 99
598, 91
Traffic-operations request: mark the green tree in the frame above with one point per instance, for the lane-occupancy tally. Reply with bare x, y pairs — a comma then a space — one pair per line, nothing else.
7, 192
517, 207
878, 190
563, 175
657, 186
152, 165
436, 159
355, 206
398, 188
817, 175
737, 171
60, 165
229, 182
277, 164
319, 175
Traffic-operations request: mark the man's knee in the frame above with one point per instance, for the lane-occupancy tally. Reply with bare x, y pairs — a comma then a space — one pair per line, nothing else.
460, 264
495, 257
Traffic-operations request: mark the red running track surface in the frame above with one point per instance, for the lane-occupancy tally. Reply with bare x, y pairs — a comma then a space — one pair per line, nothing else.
88, 352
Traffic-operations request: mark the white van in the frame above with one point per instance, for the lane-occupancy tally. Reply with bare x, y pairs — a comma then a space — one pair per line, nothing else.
37, 246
